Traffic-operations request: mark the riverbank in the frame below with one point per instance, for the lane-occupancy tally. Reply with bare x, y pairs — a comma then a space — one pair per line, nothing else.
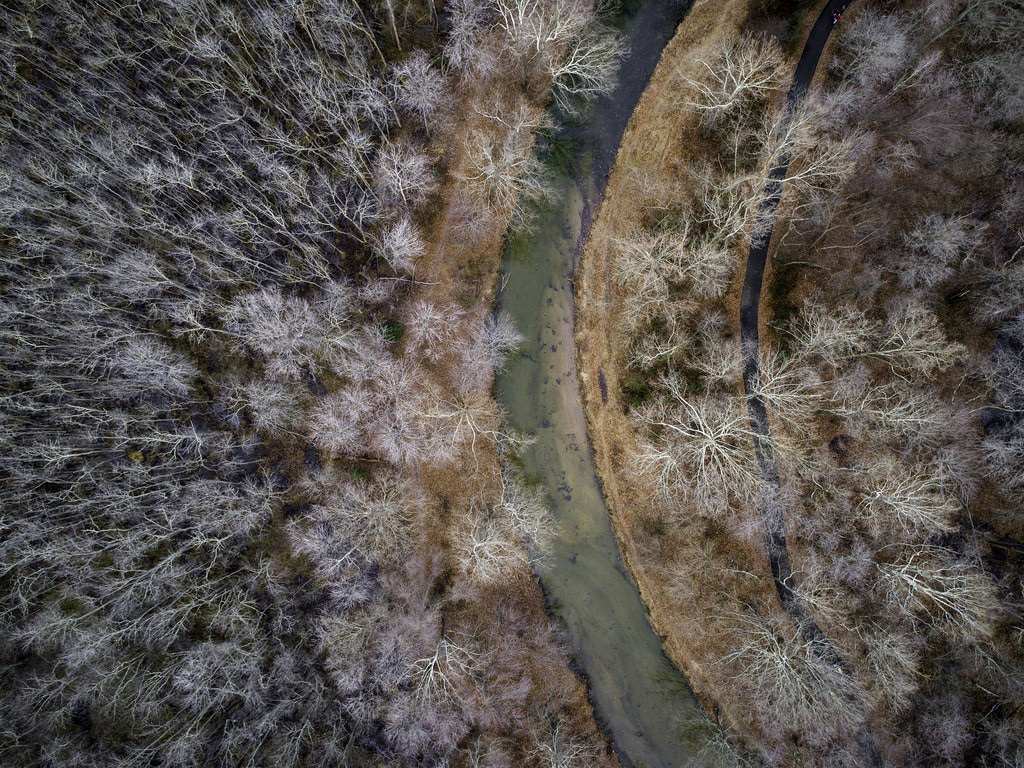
893, 266
683, 573
644, 701
654, 135
454, 299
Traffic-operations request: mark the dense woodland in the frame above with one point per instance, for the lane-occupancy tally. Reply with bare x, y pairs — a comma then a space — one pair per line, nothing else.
890, 368
235, 389
258, 504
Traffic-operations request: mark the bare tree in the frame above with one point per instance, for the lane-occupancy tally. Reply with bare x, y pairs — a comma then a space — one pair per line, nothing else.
943, 244
401, 245
789, 674
710, 266
432, 329
701, 448
458, 423
488, 755
935, 583
345, 642
389, 10
735, 76
899, 413
283, 329
913, 340
526, 513
488, 548
337, 422
542, 28
790, 389
647, 266
908, 500
470, 215
874, 49
395, 428
145, 366
895, 659
817, 162
651, 349
421, 87
726, 205
720, 361
465, 47
1004, 452
588, 68
272, 405
402, 177
558, 748
446, 673
370, 520
500, 165
486, 354
832, 333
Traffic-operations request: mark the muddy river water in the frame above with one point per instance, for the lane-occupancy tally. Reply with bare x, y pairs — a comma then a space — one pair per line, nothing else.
640, 697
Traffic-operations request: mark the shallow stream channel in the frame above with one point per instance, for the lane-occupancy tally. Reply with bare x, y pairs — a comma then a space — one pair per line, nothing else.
640, 697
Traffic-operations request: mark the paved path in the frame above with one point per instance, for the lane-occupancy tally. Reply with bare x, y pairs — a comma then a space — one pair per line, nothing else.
774, 509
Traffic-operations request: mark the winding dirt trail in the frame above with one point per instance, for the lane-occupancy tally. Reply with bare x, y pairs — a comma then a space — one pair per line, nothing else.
750, 303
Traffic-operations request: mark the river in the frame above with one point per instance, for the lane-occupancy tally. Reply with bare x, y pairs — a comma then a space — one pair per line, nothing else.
640, 697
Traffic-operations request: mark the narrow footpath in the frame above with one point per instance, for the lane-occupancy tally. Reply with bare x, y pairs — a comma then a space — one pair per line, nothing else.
750, 302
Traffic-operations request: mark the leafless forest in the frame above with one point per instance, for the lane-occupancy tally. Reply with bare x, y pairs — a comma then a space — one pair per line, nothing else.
258, 506
890, 367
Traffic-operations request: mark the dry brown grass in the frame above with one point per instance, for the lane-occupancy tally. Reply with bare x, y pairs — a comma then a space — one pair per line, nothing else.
660, 139
690, 572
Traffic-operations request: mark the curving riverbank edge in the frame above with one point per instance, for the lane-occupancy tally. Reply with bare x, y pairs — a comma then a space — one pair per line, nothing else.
598, 346
595, 351
644, 700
